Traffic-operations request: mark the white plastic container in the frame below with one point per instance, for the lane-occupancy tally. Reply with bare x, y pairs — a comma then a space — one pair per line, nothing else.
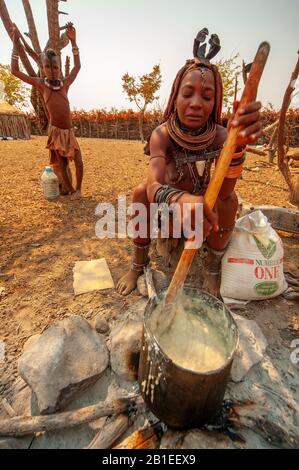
50, 184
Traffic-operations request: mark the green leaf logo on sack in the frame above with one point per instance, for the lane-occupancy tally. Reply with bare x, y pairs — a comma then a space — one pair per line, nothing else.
267, 251
266, 288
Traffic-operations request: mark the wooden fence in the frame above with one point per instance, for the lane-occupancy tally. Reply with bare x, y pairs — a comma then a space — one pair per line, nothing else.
15, 126
128, 130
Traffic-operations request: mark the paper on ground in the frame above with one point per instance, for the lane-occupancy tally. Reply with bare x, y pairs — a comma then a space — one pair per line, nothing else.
92, 275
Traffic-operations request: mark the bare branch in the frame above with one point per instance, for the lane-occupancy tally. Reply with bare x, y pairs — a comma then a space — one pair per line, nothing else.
32, 28
8, 25
282, 161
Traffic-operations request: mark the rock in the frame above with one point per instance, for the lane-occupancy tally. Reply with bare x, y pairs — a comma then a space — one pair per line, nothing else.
30, 342
101, 325
160, 282
125, 349
66, 359
80, 436
251, 349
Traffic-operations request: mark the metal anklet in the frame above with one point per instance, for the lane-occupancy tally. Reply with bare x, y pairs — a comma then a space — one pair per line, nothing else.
223, 230
142, 247
138, 267
215, 252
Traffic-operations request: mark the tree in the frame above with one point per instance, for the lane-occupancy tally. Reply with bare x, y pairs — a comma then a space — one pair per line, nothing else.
142, 91
292, 181
229, 72
15, 92
57, 40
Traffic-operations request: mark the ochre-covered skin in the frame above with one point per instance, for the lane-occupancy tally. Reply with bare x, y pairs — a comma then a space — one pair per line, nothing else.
195, 104
223, 170
57, 104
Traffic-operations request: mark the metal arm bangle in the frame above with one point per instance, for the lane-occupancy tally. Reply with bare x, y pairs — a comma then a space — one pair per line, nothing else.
164, 194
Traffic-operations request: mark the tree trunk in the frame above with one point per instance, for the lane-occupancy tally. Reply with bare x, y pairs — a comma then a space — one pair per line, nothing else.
140, 120
282, 160
36, 98
273, 146
8, 24
31, 25
39, 109
53, 25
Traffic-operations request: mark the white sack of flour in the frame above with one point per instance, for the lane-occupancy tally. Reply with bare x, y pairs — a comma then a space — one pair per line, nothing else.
252, 267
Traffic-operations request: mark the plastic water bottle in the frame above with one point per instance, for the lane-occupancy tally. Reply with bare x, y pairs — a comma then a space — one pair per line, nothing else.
50, 184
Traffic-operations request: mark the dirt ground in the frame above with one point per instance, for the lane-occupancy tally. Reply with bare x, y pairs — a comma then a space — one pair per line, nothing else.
41, 241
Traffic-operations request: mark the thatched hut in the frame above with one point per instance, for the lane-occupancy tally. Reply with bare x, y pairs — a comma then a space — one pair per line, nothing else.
13, 123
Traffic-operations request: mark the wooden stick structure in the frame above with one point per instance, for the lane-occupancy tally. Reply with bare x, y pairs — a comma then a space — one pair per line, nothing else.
24, 426
110, 433
249, 94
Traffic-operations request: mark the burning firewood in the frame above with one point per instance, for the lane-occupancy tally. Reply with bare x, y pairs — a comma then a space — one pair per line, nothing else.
147, 438
110, 433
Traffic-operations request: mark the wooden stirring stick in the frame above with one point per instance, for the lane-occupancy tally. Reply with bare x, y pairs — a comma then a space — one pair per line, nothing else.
249, 94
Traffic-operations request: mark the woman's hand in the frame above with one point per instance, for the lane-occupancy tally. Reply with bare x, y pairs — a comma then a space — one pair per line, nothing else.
210, 221
249, 118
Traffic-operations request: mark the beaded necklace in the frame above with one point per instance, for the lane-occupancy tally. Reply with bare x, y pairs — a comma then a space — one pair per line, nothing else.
53, 87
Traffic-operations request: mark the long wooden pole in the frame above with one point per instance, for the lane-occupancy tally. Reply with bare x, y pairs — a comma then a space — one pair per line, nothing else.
26, 425
249, 94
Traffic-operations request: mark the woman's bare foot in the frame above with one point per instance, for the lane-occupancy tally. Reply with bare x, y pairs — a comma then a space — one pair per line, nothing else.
211, 284
128, 282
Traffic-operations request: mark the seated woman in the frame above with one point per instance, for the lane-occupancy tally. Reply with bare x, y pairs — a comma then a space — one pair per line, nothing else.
181, 152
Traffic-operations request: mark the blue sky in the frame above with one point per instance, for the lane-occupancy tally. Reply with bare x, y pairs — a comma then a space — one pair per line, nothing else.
132, 35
